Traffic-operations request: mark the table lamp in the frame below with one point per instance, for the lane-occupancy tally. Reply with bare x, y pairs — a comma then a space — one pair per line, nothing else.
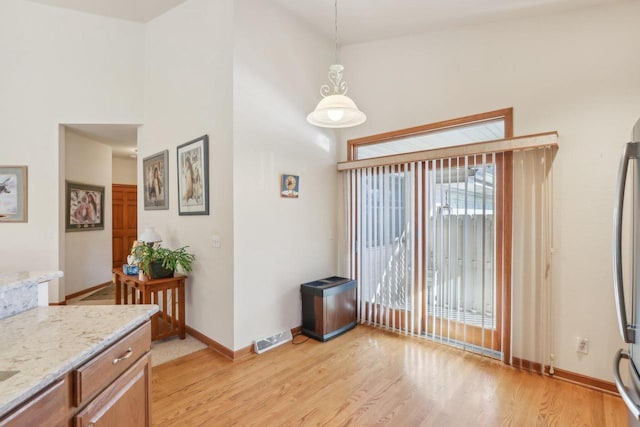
149, 236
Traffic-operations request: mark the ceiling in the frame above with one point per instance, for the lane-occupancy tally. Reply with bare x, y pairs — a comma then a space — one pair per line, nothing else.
130, 10
367, 20
359, 21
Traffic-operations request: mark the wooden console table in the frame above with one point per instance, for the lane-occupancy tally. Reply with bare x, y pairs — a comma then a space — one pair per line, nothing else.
167, 293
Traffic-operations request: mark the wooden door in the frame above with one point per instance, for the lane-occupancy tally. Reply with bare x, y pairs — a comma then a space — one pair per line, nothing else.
125, 221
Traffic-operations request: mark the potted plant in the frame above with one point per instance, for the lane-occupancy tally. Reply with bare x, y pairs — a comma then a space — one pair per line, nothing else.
158, 262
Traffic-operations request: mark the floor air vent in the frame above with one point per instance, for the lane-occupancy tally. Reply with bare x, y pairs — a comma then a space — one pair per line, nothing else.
260, 346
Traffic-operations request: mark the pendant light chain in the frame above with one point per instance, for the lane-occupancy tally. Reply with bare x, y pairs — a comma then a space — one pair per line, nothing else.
336, 30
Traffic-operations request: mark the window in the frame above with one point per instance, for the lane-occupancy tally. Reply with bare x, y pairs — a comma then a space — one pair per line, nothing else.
428, 237
490, 126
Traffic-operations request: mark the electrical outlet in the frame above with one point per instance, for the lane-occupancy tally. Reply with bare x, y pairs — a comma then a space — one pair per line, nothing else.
582, 345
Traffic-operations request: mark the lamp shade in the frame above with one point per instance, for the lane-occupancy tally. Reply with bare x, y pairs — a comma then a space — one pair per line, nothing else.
336, 111
149, 235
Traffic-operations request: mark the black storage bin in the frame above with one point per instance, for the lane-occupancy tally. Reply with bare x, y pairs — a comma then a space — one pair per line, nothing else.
328, 307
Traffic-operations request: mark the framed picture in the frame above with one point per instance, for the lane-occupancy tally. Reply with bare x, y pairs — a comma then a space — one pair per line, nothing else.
155, 180
289, 185
84, 207
13, 194
193, 177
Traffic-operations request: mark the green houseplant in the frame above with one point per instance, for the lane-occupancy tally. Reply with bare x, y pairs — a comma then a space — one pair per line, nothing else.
159, 262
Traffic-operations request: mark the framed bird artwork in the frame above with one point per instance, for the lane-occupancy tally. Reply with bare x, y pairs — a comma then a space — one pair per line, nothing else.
13, 194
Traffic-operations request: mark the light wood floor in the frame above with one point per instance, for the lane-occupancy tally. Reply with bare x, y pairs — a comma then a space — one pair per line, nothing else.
368, 377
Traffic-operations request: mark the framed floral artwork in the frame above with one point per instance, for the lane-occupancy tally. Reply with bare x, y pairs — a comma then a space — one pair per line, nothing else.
84, 207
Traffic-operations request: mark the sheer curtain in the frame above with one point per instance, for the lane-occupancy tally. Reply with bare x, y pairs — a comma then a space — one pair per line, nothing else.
532, 256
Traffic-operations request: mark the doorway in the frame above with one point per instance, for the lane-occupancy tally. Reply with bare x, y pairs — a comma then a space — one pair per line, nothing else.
100, 155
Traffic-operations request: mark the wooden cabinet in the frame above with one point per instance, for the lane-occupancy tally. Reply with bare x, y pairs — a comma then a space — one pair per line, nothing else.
125, 403
96, 374
111, 389
47, 408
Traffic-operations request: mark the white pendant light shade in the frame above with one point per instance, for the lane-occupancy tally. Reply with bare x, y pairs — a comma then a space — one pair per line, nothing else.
336, 111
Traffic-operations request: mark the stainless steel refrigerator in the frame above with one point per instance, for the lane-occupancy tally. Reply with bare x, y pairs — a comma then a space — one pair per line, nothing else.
626, 246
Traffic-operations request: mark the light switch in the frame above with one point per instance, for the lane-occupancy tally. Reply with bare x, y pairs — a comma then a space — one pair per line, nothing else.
216, 241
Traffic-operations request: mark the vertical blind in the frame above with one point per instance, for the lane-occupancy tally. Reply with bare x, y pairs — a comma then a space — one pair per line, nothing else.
425, 241
422, 245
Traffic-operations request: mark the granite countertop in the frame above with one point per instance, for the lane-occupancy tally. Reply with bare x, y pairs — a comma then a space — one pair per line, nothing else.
17, 279
21, 291
46, 342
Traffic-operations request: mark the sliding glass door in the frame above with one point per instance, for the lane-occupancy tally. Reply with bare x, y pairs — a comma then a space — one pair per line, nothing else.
424, 249
459, 235
430, 240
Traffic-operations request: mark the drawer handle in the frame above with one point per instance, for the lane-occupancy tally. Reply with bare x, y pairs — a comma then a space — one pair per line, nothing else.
126, 355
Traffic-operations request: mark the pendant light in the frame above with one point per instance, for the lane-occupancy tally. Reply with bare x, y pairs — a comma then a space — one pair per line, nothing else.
335, 109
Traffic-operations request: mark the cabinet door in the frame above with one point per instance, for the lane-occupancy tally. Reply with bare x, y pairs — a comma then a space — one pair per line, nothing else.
48, 408
96, 374
125, 403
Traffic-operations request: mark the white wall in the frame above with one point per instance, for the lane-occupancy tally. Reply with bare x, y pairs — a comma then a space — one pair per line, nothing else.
188, 93
88, 254
280, 243
575, 73
58, 66
124, 171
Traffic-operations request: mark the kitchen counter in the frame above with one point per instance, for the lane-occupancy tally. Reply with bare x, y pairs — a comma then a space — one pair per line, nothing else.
18, 278
45, 342
20, 291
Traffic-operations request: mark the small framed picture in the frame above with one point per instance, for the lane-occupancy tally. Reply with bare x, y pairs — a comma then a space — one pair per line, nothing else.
13, 194
155, 180
289, 186
84, 207
193, 177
